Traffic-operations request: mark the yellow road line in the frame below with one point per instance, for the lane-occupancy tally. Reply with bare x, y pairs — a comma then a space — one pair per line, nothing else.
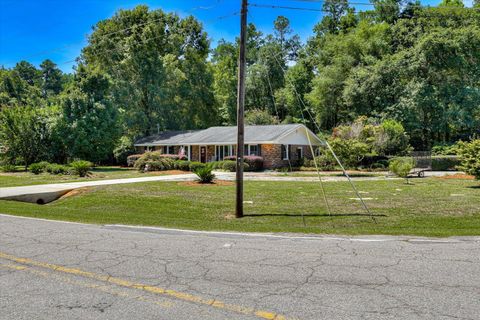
147, 288
103, 288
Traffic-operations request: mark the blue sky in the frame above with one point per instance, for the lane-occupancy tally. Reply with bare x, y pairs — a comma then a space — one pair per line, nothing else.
35, 30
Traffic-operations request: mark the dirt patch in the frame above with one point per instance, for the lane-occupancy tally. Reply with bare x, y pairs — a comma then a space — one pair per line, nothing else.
459, 176
198, 184
75, 192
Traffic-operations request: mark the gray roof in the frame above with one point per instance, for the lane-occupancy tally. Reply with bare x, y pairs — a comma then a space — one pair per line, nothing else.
221, 135
166, 138
228, 135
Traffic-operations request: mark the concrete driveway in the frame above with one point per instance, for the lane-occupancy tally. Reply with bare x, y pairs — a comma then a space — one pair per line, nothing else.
56, 270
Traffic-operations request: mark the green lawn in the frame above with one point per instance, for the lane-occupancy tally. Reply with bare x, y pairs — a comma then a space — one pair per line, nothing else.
99, 173
429, 207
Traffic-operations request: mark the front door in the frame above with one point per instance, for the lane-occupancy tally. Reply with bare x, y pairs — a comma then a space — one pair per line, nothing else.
203, 154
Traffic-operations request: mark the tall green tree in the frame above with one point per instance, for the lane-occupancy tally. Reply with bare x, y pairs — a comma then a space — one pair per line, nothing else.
51, 78
89, 122
158, 65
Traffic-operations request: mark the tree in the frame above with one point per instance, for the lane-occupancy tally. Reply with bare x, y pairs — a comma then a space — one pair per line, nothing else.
387, 10
224, 66
470, 157
259, 117
89, 122
25, 133
159, 69
28, 72
334, 11
452, 3
51, 78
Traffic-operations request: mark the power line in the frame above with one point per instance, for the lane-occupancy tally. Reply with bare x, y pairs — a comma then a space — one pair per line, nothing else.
270, 6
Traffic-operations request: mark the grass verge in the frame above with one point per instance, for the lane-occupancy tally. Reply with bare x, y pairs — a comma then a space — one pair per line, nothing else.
99, 173
428, 207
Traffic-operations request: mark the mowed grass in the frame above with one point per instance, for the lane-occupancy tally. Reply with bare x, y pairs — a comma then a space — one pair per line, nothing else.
99, 173
428, 207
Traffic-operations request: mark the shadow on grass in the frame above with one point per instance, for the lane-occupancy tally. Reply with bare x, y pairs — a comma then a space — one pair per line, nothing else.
474, 187
313, 215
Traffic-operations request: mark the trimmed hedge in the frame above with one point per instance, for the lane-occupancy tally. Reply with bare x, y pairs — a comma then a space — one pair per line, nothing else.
251, 163
231, 166
182, 165
194, 165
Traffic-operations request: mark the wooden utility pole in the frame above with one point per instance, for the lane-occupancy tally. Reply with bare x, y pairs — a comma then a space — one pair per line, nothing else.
240, 111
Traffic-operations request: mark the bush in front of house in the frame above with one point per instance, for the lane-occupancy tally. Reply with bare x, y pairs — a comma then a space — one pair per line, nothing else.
194, 165
470, 157
132, 158
81, 167
445, 163
173, 156
182, 165
205, 174
158, 165
141, 162
401, 166
231, 166
255, 163
217, 165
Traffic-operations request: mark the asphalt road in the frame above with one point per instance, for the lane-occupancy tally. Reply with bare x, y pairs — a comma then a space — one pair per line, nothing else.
55, 270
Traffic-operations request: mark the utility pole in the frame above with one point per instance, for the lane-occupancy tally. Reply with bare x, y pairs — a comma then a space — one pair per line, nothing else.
240, 111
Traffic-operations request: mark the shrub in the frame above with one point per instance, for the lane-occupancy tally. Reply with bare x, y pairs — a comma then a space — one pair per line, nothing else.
229, 165
216, 165
55, 168
158, 165
132, 158
350, 152
445, 163
324, 162
182, 165
447, 149
39, 167
205, 174
401, 167
194, 165
232, 166
255, 163
377, 165
230, 158
470, 157
81, 167
173, 156
8, 168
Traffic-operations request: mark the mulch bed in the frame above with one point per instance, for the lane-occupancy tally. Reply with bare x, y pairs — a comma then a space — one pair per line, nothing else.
215, 183
460, 176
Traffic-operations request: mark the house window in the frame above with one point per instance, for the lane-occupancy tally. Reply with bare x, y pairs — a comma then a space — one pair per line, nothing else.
168, 150
285, 152
253, 150
223, 151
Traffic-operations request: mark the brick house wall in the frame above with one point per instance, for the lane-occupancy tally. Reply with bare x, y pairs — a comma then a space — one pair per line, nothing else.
271, 153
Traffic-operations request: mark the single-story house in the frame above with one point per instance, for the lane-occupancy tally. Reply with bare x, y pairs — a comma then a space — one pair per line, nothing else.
278, 145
